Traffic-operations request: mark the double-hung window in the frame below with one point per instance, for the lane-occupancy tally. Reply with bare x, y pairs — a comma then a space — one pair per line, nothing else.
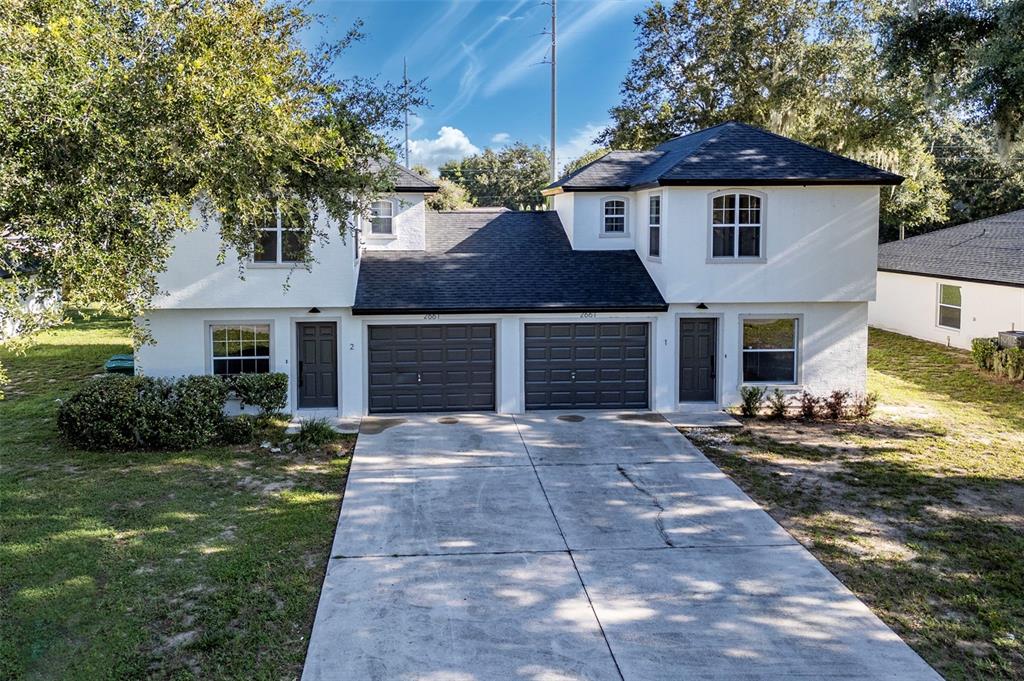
382, 218
279, 242
770, 350
949, 306
613, 216
654, 226
240, 349
736, 225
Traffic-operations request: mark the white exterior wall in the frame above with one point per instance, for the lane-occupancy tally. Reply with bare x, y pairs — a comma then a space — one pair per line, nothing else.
908, 304
820, 243
832, 349
408, 227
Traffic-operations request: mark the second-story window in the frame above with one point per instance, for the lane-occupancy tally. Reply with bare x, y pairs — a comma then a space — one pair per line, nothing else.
654, 226
382, 217
736, 226
279, 242
613, 216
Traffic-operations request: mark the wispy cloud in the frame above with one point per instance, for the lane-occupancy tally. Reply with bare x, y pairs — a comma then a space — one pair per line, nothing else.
501, 138
581, 142
469, 84
571, 30
450, 144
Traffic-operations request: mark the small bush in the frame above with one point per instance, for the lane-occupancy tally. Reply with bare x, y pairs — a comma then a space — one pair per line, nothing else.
983, 351
835, 404
240, 430
809, 405
1009, 362
266, 392
752, 397
778, 404
864, 406
121, 412
315, 433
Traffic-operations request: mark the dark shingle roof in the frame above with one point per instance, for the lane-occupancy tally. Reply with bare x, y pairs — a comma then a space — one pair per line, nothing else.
989, 250
730, 153
408, 181
500, 260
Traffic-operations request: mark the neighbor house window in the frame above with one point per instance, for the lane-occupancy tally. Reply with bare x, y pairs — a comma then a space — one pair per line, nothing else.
736, 225
654, 227
614, 216
240, 349
279, 242
949, 306
769, 350
382, 217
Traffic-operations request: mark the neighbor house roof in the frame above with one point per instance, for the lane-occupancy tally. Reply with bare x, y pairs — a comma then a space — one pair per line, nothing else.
408, 181
730, 153
496, 260
989, 251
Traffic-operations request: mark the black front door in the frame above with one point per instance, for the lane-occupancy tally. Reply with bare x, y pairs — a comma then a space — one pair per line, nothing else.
697, 359
318, 364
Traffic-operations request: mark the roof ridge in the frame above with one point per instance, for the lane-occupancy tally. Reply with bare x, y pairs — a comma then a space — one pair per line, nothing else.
697, 132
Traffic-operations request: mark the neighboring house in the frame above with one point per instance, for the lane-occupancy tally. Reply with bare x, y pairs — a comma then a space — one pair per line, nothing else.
31, 304
955, 284
663, 279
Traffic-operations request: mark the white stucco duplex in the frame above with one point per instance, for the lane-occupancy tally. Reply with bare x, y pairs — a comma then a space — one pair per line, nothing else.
662, 279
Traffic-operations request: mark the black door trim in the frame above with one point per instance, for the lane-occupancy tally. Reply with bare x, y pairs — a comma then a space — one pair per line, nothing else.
327, 397
713, 355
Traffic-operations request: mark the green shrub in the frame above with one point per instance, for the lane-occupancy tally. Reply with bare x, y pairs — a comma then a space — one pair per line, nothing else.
102, 414
864, 406
835, 404
778, 404
240, 430
809, 405
751, 396
1009, 362
315, 433
121, 412
266, 392
983, 350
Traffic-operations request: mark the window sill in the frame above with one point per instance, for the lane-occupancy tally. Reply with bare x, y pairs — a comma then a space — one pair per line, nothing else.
380, 237
654, 258
947, 328
613, 235
274, 265
735, 261
785, 387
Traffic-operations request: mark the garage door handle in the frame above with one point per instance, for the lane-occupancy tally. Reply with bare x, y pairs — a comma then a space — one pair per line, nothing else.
419, 377
572, 377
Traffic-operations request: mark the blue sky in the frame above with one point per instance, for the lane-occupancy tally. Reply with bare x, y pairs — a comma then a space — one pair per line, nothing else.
480, 59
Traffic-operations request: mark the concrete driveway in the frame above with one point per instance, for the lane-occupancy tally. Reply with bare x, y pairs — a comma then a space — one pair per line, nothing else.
574, 546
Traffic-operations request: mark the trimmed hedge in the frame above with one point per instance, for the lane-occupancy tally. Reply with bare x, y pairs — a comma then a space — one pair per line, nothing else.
266, 392
134, 412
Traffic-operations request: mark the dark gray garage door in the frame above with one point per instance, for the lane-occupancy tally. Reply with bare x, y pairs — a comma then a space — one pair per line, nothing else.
431, 367
587, 366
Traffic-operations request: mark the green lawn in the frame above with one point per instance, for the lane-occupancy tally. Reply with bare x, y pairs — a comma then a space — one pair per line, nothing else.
200, 564
920, 511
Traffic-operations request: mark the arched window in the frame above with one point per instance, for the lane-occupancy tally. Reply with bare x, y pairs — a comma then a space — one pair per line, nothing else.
613, 216
737, 228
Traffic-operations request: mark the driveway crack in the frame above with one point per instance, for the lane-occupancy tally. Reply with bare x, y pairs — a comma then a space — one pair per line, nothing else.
659, 520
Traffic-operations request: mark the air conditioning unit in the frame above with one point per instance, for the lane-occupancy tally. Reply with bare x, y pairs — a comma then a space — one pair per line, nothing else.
1011, 339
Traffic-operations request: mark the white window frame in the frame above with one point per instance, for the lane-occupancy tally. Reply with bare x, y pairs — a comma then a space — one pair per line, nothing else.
604, 216
798, 325
736, 225
651, 226
278, 229
939, 305
368, 220
211, 357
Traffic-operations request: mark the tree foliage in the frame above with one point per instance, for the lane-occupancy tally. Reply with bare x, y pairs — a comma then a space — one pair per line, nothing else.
807, 69
118, 116
511, 177
449, 196
969, 55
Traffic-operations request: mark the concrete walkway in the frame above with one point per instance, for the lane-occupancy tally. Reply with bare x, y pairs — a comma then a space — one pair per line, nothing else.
574, 546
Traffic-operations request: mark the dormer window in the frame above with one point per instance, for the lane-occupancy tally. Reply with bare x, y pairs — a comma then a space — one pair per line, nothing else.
736, 225
613, 214
382, 218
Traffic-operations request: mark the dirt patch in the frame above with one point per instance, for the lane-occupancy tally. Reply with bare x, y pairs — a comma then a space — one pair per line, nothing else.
378, 426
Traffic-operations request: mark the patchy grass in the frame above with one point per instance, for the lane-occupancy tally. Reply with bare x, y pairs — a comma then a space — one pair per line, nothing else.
920, 511
198, 564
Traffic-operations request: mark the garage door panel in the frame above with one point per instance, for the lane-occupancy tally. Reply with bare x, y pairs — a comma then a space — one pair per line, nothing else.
431, 367
587, 366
